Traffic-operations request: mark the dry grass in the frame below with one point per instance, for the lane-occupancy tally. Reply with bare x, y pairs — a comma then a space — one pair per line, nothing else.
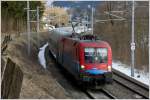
37, 82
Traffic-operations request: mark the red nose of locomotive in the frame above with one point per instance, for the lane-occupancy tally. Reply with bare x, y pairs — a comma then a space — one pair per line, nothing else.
104, 67
96, 62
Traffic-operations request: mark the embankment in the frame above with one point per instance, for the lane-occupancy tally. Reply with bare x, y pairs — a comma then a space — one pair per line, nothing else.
37, 82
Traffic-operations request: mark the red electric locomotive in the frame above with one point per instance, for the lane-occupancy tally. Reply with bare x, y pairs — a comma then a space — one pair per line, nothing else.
89, 60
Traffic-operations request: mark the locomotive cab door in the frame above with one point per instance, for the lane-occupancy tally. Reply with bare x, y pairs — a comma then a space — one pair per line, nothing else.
61, 51
76, 60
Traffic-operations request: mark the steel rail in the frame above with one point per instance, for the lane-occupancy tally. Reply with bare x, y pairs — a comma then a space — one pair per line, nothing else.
130, 79
109, 94
131, 84
89, 95
103, 92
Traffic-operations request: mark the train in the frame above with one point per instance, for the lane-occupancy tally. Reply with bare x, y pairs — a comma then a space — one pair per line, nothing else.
84, 56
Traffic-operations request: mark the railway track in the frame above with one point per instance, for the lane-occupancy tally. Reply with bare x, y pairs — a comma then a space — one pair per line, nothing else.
133, 85
99, 94
135, 89
123, 87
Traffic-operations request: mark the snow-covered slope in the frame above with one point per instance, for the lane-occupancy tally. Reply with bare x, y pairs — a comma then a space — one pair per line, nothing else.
126, 69
41, 55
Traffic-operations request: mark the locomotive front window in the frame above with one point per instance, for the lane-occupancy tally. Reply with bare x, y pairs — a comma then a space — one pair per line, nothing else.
95, 55
102, 55
89, 54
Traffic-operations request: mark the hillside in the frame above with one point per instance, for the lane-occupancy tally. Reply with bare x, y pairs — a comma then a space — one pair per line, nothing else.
118, 33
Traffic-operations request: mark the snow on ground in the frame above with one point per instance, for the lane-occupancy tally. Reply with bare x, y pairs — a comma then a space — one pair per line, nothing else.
126, 69
41, 55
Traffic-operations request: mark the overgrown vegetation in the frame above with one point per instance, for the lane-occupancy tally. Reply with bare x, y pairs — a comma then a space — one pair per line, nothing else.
13, 15
118, 33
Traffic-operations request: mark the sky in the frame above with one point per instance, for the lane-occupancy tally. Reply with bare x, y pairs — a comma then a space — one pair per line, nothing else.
49, 2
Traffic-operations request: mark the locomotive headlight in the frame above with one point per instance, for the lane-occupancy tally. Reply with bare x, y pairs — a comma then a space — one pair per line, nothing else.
82, 66
109, 68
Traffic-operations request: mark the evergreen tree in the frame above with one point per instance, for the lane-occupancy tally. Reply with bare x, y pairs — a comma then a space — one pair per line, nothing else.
13, 13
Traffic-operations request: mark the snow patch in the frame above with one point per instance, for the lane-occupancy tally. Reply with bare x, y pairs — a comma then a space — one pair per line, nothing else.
140, 75
41, 56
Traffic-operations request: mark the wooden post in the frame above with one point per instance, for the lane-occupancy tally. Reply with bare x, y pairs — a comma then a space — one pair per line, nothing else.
12, 78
